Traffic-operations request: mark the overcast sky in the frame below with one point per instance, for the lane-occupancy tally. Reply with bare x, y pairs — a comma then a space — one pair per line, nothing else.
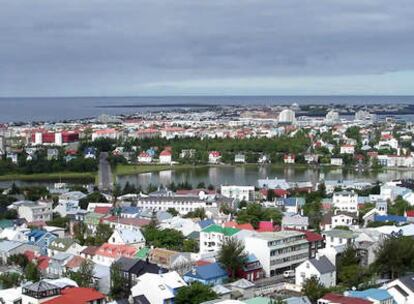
209, 47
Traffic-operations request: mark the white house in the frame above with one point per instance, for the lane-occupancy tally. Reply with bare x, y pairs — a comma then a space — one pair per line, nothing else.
340, 218
295, 221
35, 211
402, 289
157, 288
336, 161
320, 267
144, 158
211, 238
127, 237
241, 193
289, 158
345, 201
214, 157
239, 158
347, 149
165, 157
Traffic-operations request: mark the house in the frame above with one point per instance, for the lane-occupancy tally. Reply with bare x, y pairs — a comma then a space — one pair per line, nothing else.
291, 204
35, 211
347, 149
240, 193
214, 157
165, 157
311, 158
332, 298
346, 201
157, 288
42, 239
274, 250
9, 248
52, 154
336, 161
57, 265
108, 253
210, 274
78, 295
239, 158
289, 158
402, 289
188, 153
132, 269
375, 295
213, 236
331, 220
19, 234
170, 259
127, 237
64, 245
295, 221
252, 270
13, 157
319, 267
144, 158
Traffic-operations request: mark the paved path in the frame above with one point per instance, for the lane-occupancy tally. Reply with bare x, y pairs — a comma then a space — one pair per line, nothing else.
105, 173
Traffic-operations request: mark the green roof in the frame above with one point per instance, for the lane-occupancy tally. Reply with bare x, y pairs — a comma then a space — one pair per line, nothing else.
259, 300
6, 224
339, 233
142, 253
65, 242
227, 231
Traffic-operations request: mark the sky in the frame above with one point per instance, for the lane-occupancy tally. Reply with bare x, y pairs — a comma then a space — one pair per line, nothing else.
213, 47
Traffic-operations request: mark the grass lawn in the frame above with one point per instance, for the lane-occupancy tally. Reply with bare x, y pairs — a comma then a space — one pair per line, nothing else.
136, 169
87, 176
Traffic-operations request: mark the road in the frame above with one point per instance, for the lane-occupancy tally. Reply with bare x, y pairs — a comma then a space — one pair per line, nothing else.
105, 173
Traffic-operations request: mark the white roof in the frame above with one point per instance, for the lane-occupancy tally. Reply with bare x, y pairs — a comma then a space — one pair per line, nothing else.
11, 295
130, 236
157, 287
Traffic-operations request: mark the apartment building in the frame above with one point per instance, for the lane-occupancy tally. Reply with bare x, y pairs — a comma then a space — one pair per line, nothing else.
35, 211
278, 251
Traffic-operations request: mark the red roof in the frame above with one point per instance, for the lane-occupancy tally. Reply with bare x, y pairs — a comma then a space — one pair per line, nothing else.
165, 153
202, 263
215, 153
116, 251
77, 295
43, 262
144, 154
410, 213
340, 299
137, 222
265, 226
102, 210
233, 224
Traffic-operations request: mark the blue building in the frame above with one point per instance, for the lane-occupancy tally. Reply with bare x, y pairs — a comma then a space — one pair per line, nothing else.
211, 274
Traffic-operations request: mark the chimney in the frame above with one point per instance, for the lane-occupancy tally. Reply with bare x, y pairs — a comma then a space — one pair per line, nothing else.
317, 256
194, 271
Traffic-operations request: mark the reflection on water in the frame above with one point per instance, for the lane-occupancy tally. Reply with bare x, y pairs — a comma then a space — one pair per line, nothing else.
248, 175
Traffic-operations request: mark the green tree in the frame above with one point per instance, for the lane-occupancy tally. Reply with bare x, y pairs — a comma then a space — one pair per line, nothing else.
195, 293
313, 289
172, 211
84, 276
395, 257
254, 213
18, 259
103, 232
31, 272
399, 207
118, 282
197, 213
9, 280
232, 255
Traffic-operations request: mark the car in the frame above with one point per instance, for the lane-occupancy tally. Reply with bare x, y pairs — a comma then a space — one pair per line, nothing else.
289, 273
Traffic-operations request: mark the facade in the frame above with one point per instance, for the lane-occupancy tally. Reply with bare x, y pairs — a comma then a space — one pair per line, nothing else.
127, 237
213, 236
241, 193
165, 157
278, 251
214, 157
318, 267
347, 149
35, 211
346, 201
336, 161
144, 158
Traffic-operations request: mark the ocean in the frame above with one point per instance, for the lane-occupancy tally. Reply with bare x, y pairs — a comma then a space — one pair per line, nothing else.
67, 108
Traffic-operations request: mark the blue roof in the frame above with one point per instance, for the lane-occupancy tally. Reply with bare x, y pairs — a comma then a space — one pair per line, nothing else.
293, 201
251, 258
130, 210
207, 272
36, 234
372, 293
205, 223
390, 218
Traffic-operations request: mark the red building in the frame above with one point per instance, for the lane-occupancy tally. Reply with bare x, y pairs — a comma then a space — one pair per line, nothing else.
252, 269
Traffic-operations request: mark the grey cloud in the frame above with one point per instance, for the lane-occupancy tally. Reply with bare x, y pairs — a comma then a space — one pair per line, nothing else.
78, 47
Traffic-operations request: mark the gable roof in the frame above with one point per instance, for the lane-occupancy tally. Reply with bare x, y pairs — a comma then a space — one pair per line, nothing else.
227, 231
79, 295
323, 265
340, 299
207, 272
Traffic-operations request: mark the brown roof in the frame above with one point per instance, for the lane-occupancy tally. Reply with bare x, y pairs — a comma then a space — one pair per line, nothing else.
90, 250
75, 262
